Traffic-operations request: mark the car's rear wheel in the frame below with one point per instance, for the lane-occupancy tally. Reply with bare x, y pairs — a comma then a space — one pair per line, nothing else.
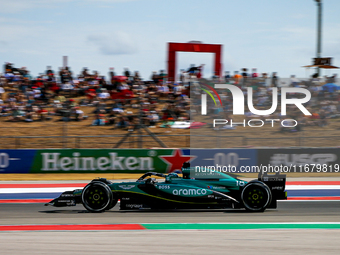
256, 196
97, 197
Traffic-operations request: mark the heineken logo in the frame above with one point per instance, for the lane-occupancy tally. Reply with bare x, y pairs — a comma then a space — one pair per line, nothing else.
111, 160
55, 162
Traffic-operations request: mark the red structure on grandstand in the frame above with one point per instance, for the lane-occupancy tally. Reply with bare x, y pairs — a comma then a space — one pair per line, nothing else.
193, 47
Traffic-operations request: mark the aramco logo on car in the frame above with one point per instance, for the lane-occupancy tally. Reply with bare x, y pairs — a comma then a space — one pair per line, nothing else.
189, 192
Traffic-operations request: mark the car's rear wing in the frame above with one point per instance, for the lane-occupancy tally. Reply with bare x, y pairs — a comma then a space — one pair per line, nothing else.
276, 182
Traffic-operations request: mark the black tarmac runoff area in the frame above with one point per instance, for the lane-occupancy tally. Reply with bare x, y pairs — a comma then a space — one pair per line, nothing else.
287, 211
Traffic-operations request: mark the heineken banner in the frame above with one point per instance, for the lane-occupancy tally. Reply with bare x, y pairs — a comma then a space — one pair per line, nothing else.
167, 160
92, 160
118, 160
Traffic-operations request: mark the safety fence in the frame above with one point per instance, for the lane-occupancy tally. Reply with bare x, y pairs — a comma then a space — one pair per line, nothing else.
167, 140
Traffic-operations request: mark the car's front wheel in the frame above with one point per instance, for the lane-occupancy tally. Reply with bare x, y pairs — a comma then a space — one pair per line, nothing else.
97, 197
256, 196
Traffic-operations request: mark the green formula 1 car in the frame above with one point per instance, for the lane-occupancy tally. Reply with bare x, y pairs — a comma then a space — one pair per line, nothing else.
211, 191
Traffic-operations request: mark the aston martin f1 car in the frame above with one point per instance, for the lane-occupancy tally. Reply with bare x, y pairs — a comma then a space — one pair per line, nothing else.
170, 191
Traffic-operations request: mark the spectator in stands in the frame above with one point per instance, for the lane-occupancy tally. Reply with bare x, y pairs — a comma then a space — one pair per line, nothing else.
104, 95
112, 117
254, 73
42, 113
163, 90
155, 77
122, 86
123, 122
29, 114
17, 114
136, 77
294, 82
111, 74
2, 92
274, 80
67, 87
50, 74
152, 118
127, 73
200, 71
244, 76
162, 76
77, 113
264, 76
65, 75
227, 76
237, 78
99, 120
177, 89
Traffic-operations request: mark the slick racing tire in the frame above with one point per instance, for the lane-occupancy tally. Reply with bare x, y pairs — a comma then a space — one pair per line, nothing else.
113, 202
97, 197
256, 196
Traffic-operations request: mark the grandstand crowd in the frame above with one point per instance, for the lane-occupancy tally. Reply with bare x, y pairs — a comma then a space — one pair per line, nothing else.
121, 101
126, 100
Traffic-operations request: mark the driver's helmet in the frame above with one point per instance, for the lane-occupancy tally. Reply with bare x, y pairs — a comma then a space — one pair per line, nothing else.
151, 181
170, 176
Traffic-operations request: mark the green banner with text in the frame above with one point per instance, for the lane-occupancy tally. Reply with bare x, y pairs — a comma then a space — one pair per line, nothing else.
108, 160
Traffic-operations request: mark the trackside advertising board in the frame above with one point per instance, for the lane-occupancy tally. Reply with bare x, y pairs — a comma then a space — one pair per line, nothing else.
92, 160
117, 160
235, 159
165, 160
16, 161
302, 160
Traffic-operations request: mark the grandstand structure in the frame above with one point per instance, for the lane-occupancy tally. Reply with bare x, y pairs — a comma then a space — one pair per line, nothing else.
127, 112
58, 133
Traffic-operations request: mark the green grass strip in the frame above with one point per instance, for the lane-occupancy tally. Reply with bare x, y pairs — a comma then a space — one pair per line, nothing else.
174, 226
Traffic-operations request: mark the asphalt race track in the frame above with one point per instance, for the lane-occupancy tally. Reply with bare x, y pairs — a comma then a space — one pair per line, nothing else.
172, 242
287, 211
308, 223
237, 241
